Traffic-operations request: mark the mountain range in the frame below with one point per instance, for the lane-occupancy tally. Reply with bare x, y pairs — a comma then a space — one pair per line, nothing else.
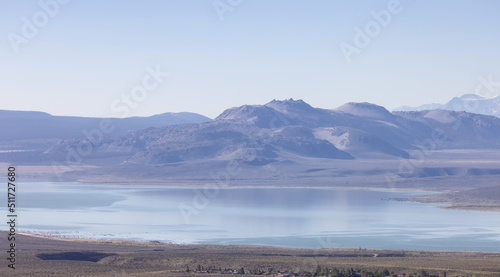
286, 130
283, 143
19, 125
471, 103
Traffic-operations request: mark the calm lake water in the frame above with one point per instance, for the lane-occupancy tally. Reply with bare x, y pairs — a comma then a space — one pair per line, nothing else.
302, 218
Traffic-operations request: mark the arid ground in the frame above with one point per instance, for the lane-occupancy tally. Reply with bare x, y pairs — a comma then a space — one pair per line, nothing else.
37, 256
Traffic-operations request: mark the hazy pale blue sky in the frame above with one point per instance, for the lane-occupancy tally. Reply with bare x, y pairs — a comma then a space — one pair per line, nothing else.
90, 53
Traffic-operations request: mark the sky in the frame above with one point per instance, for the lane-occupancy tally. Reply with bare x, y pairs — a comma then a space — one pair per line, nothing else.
140, 58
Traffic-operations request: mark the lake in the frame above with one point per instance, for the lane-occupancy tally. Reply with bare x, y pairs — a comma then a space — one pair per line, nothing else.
287, 217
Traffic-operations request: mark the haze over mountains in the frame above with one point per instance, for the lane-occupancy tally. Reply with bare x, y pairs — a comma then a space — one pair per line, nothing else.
28, 134
40, 125
468, 102
283, 130
354, 144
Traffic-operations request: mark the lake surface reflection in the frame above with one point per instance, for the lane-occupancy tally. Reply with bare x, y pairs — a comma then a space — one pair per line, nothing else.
289, 217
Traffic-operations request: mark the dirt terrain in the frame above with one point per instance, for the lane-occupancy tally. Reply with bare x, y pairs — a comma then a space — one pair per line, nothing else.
59, 257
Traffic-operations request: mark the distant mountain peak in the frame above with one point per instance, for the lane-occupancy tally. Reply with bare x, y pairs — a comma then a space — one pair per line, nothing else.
258, 114
424, 107
471, 97
471, 103
365, 109
290, 106
288, 101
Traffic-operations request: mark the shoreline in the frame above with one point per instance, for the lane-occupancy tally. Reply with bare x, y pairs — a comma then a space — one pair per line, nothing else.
451, 205
197, 186
40, 256
156, 243
112, 240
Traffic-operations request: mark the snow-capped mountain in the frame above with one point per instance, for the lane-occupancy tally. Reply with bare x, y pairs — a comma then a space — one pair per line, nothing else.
471, 103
